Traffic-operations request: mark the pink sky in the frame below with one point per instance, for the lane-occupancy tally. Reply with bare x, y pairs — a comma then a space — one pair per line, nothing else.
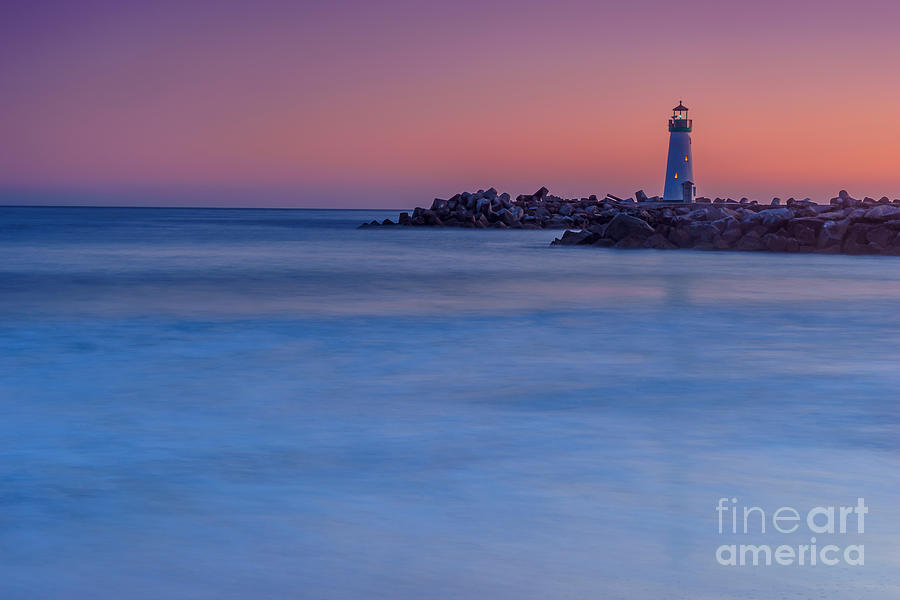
388, 104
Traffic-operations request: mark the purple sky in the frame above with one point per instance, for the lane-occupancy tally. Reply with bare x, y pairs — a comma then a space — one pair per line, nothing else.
388, 104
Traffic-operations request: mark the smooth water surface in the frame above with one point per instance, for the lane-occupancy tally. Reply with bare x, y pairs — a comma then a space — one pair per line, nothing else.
229, 404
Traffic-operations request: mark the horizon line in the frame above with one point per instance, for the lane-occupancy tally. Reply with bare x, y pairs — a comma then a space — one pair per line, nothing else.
143, 206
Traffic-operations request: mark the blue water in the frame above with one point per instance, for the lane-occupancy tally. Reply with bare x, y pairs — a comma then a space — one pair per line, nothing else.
272, 404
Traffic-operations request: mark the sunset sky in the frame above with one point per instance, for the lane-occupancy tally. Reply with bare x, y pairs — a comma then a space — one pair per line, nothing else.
388, 104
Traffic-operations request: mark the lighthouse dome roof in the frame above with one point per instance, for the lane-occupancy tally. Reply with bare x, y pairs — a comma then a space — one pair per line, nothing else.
680, 106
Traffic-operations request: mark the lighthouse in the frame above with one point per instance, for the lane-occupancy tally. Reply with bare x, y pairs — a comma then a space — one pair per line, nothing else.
680, 167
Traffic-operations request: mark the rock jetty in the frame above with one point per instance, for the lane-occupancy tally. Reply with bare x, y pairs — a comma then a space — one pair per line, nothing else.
846, 225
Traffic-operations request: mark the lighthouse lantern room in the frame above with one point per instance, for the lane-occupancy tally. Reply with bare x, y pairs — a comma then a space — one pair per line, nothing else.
680, 167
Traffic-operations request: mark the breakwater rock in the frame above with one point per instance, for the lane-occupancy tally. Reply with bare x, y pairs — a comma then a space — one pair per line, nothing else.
846, 225
489, 209
848, 228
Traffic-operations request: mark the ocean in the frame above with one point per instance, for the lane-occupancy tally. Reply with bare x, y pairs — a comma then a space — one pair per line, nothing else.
218, 404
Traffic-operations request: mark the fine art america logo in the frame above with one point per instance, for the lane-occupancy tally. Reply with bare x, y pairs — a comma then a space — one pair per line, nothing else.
823, 524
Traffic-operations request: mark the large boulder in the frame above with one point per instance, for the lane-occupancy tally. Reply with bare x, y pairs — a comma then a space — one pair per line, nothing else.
779, 242
832, 234
847, 200
703, 232
750, 220
773, 218
624, 225
575, 238
883, 212
750, 242
853, 245
541, 212
714, 213
432, 218
731, 230
508, 217
572, 238
680, 237
560, 222
833, 215
659, 242
631, 242
805, 230
856, 239
881, 236
700, 214
540, 194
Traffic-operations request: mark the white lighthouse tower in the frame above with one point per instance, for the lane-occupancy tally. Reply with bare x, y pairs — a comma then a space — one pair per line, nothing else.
680, 168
